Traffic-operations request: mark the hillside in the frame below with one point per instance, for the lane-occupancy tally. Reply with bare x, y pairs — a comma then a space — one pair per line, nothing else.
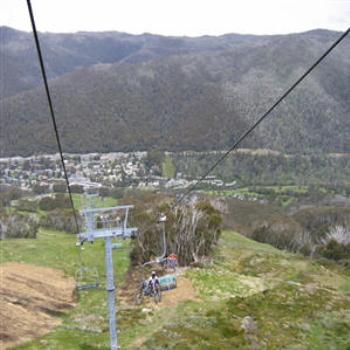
66, 52
118, 92
252, 296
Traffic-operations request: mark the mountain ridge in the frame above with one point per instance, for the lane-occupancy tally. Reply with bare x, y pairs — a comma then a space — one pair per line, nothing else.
172, 95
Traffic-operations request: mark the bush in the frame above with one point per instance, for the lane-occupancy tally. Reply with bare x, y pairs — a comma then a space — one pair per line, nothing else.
104, 192
59, 187
319, 221
60, 201
117, 192
77, 189
191, 232
27, 205
41, 189
280, 234
46, 203
18, 226
335, 251
61, 220
8, 194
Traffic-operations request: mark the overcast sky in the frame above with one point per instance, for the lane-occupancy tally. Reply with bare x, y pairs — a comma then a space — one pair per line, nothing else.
179, 17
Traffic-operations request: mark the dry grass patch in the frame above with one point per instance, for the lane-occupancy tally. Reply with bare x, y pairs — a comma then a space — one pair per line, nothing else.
30, 298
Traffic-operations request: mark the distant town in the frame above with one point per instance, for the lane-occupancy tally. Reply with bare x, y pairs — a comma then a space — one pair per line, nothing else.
94, 171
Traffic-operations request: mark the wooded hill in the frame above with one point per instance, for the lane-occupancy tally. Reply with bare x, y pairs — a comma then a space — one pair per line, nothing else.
119, 92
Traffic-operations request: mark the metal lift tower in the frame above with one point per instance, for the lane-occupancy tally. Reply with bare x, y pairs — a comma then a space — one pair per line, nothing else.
116, 219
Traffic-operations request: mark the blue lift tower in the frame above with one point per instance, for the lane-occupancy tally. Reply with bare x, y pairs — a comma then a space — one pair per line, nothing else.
108, 223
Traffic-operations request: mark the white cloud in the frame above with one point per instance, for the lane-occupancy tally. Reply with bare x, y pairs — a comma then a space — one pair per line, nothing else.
179, 17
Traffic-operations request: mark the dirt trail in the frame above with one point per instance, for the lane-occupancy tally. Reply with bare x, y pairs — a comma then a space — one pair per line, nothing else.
29, 297
184, 291
171, 298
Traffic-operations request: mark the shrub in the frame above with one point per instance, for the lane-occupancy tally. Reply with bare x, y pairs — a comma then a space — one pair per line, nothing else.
104, 192
282, 233
58, 201
339, 234
335, 250
77, 189
59, 187
18, 226
41, 189
192, 230
117, 192
8, 194
46, 203
27, 205
61, 219
319, 221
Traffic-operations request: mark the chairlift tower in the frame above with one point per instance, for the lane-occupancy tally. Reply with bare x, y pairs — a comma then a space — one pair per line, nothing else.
119, 230
161, 258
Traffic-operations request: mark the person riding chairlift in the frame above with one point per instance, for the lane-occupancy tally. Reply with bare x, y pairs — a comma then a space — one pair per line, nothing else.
171, 261
154, 280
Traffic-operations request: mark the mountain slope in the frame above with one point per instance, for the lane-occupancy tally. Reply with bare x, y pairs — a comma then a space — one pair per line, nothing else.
257, 297
251, 296
195, 99
64, 53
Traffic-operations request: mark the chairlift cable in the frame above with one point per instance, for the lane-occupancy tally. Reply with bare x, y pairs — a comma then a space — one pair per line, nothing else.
52, 113
216, 163
265, 115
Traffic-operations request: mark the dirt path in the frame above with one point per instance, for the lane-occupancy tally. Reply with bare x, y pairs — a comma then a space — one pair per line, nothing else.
183, 292
29, 297
170, 299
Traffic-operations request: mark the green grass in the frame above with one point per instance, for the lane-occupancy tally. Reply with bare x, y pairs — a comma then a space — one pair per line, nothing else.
168, 168
284, 189
57, 250
295, 302
233, 191
80, 201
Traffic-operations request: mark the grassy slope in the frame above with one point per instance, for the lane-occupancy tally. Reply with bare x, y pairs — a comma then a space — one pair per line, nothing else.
296, 303
57, 249
81, 201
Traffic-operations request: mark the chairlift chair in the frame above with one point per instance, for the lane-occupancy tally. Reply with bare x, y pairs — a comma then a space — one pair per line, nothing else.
117, 245
167, 282
87, 278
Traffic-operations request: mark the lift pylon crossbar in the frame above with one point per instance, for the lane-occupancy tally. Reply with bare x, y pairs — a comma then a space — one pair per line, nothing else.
96, 210
107, 232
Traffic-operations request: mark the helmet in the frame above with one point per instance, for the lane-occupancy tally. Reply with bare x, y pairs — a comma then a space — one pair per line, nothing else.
153, 273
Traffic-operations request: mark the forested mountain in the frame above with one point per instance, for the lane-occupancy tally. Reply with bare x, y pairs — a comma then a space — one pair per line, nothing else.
67, 52
120, 92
